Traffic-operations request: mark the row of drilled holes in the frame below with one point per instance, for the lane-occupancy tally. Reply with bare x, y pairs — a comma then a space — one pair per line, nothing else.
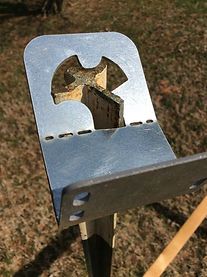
79, 200
140, 122
65, 135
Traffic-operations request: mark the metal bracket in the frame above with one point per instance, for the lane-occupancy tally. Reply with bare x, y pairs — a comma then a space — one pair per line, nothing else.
98, 172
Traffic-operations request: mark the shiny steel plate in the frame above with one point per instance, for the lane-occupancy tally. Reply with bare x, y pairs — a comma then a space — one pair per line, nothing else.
103, 170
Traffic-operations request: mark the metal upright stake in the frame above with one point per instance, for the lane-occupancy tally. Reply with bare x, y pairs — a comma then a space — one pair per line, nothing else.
90, 87
98, 235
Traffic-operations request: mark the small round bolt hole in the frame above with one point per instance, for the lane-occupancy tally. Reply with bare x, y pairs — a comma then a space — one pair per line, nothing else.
136, 123
76, 216
149, 121
49, 138
198, 184
81, 198
66, 135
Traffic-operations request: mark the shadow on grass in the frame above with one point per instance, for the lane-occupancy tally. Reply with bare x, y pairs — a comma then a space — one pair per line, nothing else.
178, 218
8, 10
49, 253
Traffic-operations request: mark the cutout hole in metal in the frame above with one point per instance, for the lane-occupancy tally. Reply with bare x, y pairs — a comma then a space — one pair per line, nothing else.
49, 138
84, 132
76, 216
198, 184
136, 123
64, 75
81, 198
92, 87
65, 135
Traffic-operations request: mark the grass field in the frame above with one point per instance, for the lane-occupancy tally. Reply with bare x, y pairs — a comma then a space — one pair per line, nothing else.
172, 40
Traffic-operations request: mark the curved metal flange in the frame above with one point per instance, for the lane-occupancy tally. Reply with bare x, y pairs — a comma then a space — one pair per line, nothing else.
102, 153
44, 54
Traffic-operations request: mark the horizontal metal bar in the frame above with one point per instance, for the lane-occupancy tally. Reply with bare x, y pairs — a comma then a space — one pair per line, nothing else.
131, 188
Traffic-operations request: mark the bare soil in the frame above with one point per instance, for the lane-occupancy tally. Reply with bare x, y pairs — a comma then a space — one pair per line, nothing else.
172, 40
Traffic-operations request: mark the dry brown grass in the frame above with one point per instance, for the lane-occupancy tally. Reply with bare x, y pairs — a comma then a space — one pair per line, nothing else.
172, 42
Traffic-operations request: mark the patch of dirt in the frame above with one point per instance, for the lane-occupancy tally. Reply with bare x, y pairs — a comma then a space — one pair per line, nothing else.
172, 42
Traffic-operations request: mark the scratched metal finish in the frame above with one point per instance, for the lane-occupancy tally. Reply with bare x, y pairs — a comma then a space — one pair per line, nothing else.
134, 187
44, 54
101, 153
